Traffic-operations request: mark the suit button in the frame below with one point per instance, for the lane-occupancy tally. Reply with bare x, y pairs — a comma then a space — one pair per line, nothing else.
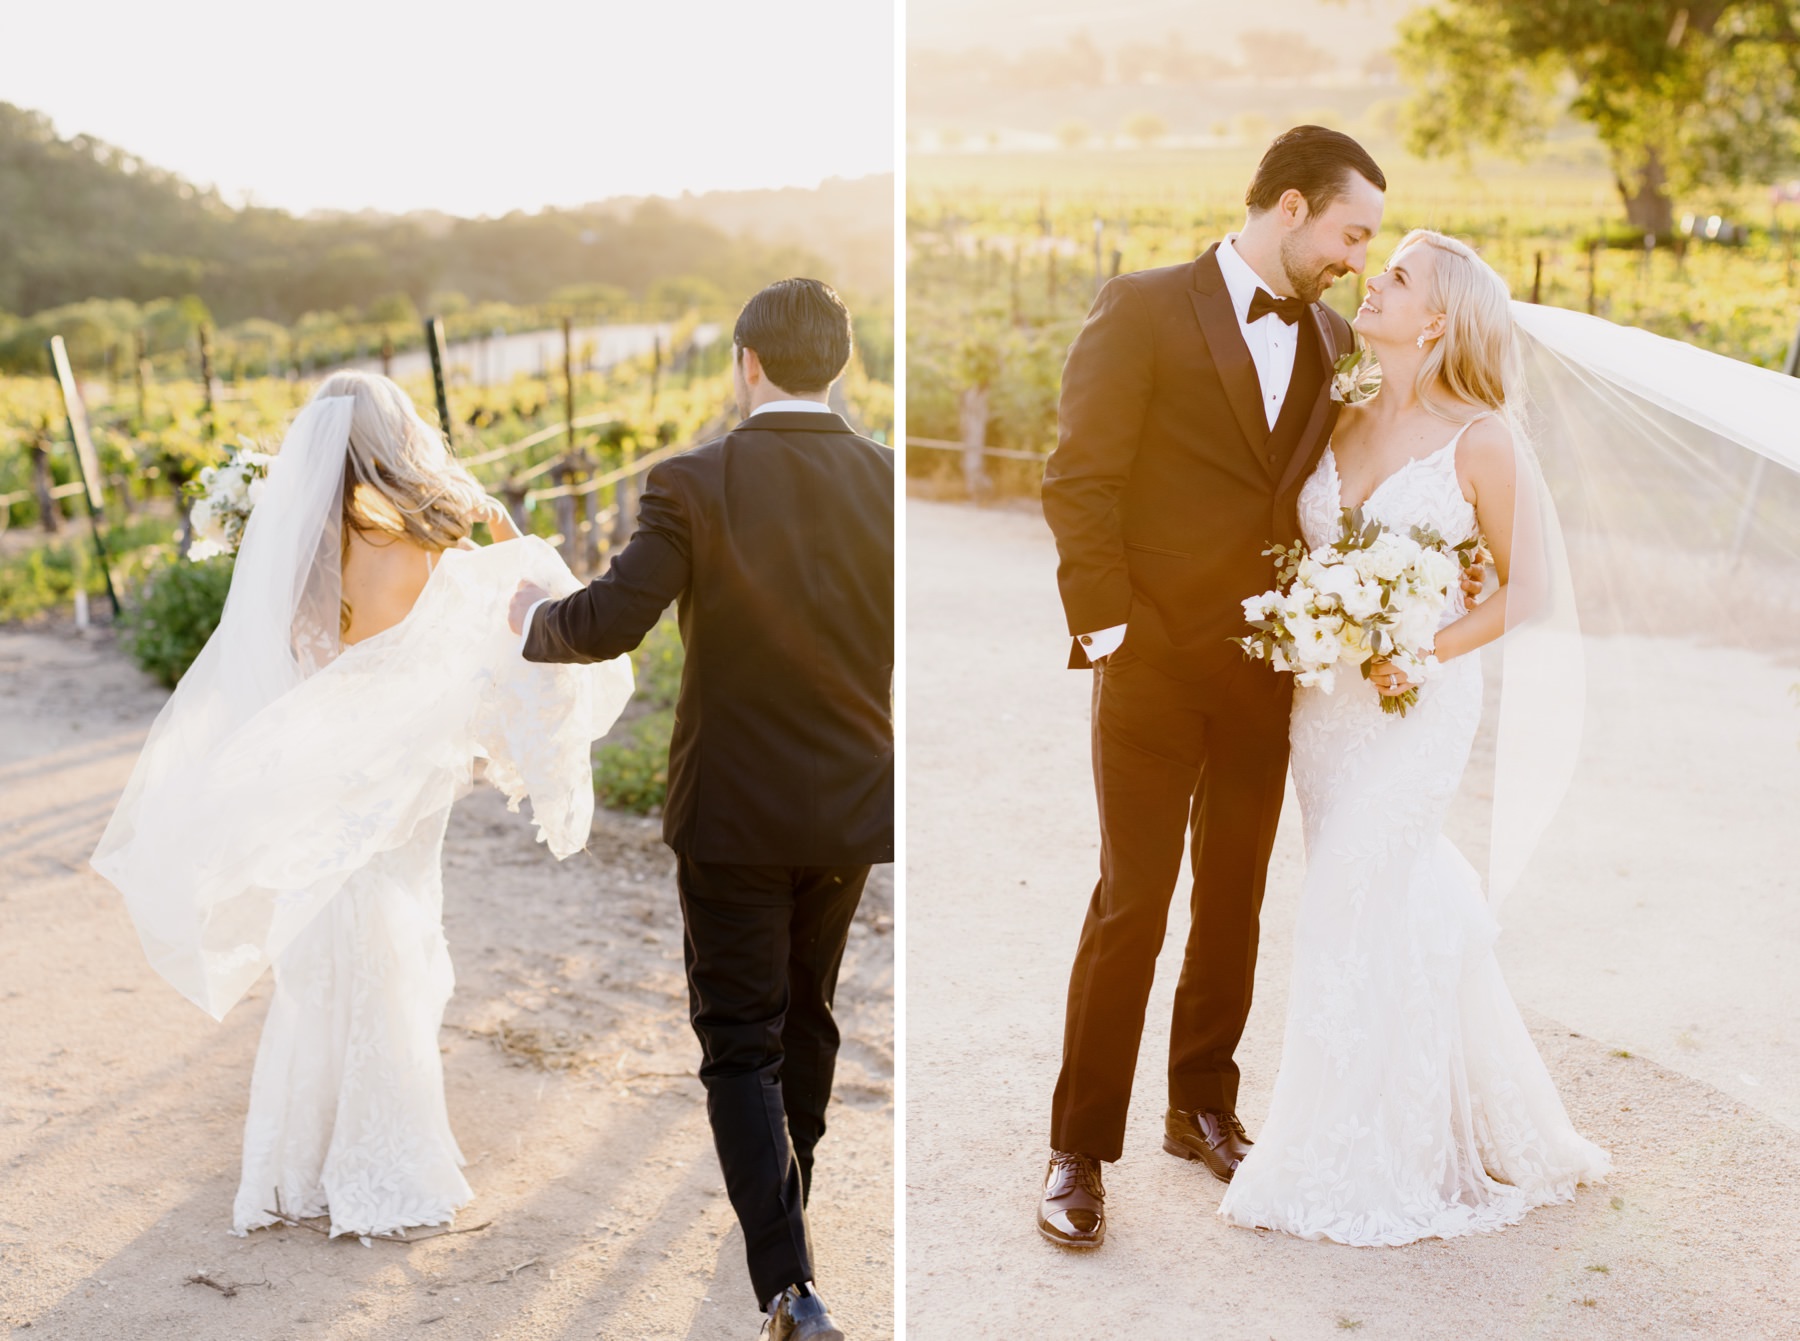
1087, 640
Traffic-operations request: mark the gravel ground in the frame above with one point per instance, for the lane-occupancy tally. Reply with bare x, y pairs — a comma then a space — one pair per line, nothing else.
569, 1065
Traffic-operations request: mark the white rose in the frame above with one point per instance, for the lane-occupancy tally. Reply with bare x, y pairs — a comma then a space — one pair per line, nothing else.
1435, 570
1394, 554
1339, 580
255, 492
1416, 629
1385, 561
1363, 601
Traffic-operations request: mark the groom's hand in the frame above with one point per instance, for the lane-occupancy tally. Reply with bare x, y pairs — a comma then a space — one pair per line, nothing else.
528, 595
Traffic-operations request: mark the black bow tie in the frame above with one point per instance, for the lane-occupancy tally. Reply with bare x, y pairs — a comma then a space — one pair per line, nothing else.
1264, 302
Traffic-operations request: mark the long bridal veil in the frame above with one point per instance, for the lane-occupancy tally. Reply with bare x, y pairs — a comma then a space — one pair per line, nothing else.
1644, 749
284, 762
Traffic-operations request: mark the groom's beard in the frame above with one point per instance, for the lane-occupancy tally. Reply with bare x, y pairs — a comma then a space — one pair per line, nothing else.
1307, 274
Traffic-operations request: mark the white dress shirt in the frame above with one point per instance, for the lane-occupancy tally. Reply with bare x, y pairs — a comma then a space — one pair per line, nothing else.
1272, 343
782, 406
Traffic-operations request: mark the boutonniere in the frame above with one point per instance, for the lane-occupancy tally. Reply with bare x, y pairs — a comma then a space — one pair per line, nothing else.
1356, 376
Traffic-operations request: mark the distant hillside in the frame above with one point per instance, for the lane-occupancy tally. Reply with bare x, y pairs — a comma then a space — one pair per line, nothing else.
82, 219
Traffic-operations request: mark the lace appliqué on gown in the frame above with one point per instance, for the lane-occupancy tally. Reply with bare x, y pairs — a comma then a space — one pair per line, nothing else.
1410, 1102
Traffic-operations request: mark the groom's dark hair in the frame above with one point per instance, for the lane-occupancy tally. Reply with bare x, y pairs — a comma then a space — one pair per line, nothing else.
800, 329
1314, 161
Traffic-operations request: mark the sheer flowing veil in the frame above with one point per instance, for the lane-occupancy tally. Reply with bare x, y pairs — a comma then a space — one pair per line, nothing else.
283, 762
1645, 746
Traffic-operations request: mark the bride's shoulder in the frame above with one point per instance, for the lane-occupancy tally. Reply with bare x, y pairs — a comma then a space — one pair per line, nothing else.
1486, 440
1484, 455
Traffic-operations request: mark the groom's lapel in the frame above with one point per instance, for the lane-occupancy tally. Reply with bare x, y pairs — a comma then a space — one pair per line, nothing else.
1230, 355
1324, 411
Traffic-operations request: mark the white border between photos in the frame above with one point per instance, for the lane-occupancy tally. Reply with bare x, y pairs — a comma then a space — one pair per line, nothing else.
900, 844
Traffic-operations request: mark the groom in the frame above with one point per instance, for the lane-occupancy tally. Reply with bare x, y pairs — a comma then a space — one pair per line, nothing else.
1195, 401
777, 543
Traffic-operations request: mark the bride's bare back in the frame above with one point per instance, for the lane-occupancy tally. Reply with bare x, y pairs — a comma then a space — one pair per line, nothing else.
383, 577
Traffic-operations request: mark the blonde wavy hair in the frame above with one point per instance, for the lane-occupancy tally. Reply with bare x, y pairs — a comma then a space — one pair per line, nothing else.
1477, 359
400, 481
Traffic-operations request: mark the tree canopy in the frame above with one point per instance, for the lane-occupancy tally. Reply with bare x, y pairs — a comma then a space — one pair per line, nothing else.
1683, 95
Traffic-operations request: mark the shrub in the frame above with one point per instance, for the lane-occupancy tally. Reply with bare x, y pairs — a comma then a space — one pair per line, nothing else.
633, 773
658, 664
178, 610
631, 769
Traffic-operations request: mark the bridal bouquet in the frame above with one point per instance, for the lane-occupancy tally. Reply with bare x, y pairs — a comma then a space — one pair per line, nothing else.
1372, 593
223, 498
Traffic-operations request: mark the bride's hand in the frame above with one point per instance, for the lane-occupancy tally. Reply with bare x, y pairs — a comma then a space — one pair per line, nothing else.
499, 520
1388, 679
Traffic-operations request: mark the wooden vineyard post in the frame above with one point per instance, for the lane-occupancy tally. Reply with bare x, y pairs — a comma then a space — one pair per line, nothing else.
580, 471
562, 476
140, 374
434, 345
1050, 283
1537, 278
568, 330
1015, 282
387, 355
208, 424
85, 457
1593, 283
49, 512
625, 494
656, 358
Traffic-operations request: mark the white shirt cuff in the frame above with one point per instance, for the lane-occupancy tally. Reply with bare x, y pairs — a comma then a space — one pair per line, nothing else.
1097, 645
525, 628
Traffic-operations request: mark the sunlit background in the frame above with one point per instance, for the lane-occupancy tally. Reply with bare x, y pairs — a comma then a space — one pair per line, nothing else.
469, 110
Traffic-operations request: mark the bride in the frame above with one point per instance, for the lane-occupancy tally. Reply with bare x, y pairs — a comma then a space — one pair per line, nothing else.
290, 804
1411, 1102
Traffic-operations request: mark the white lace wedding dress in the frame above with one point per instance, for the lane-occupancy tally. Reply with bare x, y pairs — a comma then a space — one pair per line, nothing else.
1410, 1102
306, 834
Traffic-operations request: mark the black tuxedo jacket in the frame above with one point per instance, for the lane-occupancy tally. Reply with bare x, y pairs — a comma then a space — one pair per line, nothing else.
777, 541
1167, 483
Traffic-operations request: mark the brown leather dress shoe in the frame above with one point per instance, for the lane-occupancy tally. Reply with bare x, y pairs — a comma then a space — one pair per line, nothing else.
1073, 1212
1212, 1136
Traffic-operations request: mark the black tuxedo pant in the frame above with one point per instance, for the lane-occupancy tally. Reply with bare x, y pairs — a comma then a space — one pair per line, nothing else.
1177, 765
763, 946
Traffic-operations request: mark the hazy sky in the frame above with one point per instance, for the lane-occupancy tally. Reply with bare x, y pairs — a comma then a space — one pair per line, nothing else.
347, 104
1012, 26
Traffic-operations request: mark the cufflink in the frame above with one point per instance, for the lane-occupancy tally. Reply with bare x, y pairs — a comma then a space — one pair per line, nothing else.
1087, 640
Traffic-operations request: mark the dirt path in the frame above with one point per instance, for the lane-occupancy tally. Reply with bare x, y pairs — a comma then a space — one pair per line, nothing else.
570, 1074
1693, 1237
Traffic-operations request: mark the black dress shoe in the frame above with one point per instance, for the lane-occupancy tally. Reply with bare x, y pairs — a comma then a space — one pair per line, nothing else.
798, 1314
1212, 1136
1073, 1211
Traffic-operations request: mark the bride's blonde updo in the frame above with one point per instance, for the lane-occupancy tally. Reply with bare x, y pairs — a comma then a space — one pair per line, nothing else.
1476, 359
399, 480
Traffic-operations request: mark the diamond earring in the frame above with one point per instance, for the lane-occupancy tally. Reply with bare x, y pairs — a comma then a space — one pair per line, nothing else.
1421, 341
